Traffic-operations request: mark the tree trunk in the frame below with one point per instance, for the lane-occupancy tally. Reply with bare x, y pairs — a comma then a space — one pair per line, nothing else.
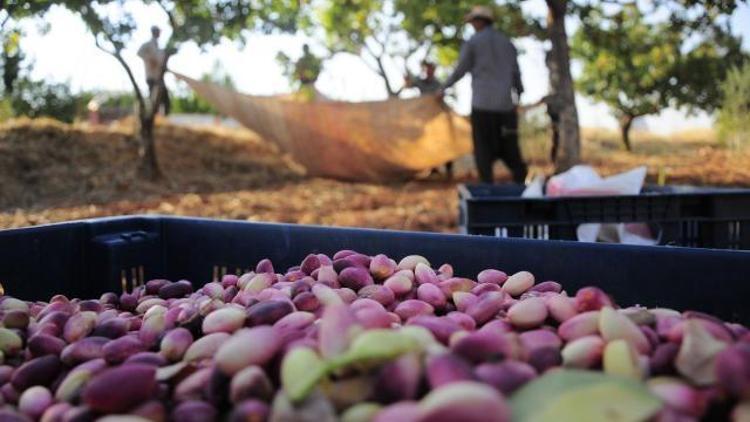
626, 122
569, 153
149, 165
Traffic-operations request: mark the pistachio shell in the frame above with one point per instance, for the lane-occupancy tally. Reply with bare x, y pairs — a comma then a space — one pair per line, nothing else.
228, 320
39, 371
205, 347
250, 346
135, 384
250, 383
466, 401
518, 283
175, 343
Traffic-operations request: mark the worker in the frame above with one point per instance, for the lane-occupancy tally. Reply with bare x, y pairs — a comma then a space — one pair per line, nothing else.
306, 71
153, 60
496, 86
428, 84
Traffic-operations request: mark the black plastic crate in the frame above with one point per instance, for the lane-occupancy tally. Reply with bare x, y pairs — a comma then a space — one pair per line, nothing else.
677, 215
87, 258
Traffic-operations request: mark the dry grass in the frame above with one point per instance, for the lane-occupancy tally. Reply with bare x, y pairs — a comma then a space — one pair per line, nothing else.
53, 172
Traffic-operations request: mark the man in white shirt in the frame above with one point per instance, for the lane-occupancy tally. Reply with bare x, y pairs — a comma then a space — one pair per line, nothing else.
153, 60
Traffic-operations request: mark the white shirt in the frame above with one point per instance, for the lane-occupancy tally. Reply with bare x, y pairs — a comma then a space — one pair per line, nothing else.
153, 58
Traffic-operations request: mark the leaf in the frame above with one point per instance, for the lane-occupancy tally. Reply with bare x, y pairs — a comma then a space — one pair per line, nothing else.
375, 346
577, 396
697, 356
301, 370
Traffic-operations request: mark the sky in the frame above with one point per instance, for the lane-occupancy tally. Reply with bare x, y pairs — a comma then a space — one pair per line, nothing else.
66, 53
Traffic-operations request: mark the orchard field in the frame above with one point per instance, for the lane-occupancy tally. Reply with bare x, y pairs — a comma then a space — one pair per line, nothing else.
53, 172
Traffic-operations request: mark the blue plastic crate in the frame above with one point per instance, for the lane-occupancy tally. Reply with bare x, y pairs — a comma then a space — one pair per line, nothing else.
87, 258
677, 215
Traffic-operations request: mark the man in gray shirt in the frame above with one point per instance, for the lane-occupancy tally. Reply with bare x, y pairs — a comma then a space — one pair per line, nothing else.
492, 61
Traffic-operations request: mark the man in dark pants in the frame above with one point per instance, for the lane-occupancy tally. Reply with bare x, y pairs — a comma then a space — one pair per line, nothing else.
153, 60
492, 61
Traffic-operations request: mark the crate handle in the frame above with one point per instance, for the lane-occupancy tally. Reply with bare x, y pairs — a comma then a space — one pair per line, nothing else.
131, 236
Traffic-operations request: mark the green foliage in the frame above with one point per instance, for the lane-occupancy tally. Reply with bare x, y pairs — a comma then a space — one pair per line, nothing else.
349, 24
638, 67
734, 116
440, 23
6, 109
118, 100
202, 22
700, 70
370, 29
627, 63
39, 99
397, 31
11, 57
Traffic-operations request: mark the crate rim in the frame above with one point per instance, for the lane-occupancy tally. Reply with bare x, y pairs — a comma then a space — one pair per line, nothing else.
427, 235
466, 195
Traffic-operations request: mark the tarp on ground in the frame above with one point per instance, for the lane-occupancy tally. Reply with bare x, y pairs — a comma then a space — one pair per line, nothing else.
367, 141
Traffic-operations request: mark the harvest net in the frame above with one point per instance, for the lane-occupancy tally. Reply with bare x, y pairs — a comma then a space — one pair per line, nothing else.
368, 141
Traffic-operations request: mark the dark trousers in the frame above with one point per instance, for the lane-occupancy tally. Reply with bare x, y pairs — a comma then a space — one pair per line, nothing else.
495, 137
152, 83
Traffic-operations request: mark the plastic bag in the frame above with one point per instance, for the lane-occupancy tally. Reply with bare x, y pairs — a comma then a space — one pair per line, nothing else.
585, 181
535, 189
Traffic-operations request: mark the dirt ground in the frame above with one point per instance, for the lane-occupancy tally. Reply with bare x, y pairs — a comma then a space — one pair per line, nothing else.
53, 172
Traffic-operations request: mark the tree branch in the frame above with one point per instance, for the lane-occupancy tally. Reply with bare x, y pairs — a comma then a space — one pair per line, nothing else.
381, 70
377, 69
116, 54
170, 16
9, 9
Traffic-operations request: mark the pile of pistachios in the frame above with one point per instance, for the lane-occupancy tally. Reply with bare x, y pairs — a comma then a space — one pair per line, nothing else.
366, 338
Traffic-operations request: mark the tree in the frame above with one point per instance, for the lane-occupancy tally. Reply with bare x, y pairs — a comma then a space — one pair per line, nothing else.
11, 55
639, 68
369, 29
627, 63
393, 33
700, 71
41, 99
202, 22
569, 149
734, 116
